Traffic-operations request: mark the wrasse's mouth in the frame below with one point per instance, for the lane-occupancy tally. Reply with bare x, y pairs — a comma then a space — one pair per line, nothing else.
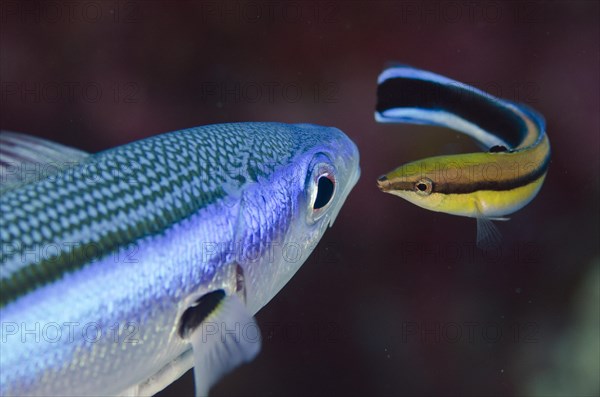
393, 185
383, 183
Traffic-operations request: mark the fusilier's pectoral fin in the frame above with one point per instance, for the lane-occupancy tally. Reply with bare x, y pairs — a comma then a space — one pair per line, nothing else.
223, 335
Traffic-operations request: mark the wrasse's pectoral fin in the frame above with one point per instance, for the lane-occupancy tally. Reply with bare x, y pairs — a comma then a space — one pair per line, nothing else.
488, 235
223, 335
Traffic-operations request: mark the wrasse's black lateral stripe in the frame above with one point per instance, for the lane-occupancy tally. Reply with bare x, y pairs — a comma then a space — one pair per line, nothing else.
490, 115
494, 185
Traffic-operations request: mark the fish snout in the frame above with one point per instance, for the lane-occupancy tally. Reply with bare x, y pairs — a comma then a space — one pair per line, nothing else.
383, 183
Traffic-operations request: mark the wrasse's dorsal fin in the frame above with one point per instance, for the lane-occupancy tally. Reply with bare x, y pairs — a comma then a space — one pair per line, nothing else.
223, 335
25, 159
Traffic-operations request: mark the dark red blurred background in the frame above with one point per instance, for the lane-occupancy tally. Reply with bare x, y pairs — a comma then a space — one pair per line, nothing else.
396, 300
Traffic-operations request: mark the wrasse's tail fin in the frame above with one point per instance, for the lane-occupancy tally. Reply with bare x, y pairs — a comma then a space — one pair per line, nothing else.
409, 95
488, 235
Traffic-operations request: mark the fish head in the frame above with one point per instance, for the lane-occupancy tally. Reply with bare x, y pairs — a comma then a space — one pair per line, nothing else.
417, 182
329, 169
298, 200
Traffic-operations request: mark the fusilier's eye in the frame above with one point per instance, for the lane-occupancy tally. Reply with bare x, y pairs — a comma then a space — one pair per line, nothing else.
424, 187
320, 187
325, 188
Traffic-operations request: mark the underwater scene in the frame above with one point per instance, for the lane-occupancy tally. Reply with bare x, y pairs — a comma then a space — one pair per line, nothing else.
299, 198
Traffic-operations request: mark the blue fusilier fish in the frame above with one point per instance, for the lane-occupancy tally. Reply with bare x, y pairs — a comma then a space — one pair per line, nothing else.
486, 186
123, 269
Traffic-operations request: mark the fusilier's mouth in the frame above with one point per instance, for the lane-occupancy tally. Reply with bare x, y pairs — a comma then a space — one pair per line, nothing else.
352, 181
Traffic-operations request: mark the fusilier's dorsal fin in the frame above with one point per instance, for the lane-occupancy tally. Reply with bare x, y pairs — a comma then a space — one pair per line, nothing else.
25, 159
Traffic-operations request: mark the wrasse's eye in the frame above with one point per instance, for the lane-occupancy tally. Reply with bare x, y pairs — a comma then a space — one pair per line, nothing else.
424, 187
325, 188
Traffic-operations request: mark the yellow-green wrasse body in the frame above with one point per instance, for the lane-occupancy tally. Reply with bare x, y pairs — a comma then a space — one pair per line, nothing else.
487, 185
121, 270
